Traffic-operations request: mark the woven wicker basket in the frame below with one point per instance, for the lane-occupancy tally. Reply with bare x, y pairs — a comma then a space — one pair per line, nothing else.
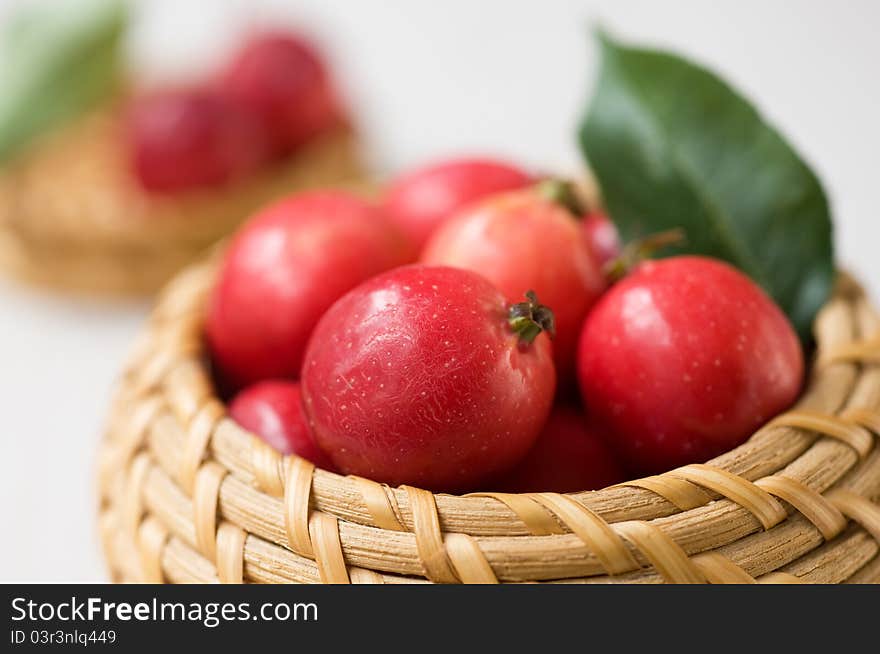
73, 217
188, 496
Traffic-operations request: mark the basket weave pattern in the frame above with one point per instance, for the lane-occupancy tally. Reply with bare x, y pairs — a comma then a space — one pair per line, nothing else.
73, 216
188, 496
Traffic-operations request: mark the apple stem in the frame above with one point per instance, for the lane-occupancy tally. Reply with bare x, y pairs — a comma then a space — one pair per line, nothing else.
530, 318
640, 249
563, 193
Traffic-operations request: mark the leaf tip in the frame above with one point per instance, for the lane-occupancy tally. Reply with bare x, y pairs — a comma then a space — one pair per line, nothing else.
602, 36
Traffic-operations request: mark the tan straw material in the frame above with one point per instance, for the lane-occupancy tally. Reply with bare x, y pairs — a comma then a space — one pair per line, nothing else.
73, 216
188, 496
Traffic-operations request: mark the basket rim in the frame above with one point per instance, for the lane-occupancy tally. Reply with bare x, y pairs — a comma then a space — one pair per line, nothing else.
700, 508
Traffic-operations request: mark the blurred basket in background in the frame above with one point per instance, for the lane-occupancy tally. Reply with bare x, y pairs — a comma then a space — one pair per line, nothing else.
72, 216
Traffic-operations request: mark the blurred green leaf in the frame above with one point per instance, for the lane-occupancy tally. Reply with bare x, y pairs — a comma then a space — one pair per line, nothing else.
672, 146
56, 59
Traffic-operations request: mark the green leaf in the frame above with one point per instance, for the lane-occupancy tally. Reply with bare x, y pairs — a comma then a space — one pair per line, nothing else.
56, 60
672, 145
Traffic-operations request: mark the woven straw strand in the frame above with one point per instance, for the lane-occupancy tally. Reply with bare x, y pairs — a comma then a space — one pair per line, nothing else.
267, 464
818, 510
666, 557
779, 578
187, 389
592, 530
230, 554
145, 413
132, 506
758, 502
206, 496
863, 352
533, 515
851, 433
471, 567
378, 504
152, 537
298, 490
679, 492
364, 576
324, 532
865, 417
718, 569
429, 540
857, 508
199, 433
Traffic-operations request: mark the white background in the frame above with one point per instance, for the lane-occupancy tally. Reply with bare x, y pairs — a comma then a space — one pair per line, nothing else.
428, 78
